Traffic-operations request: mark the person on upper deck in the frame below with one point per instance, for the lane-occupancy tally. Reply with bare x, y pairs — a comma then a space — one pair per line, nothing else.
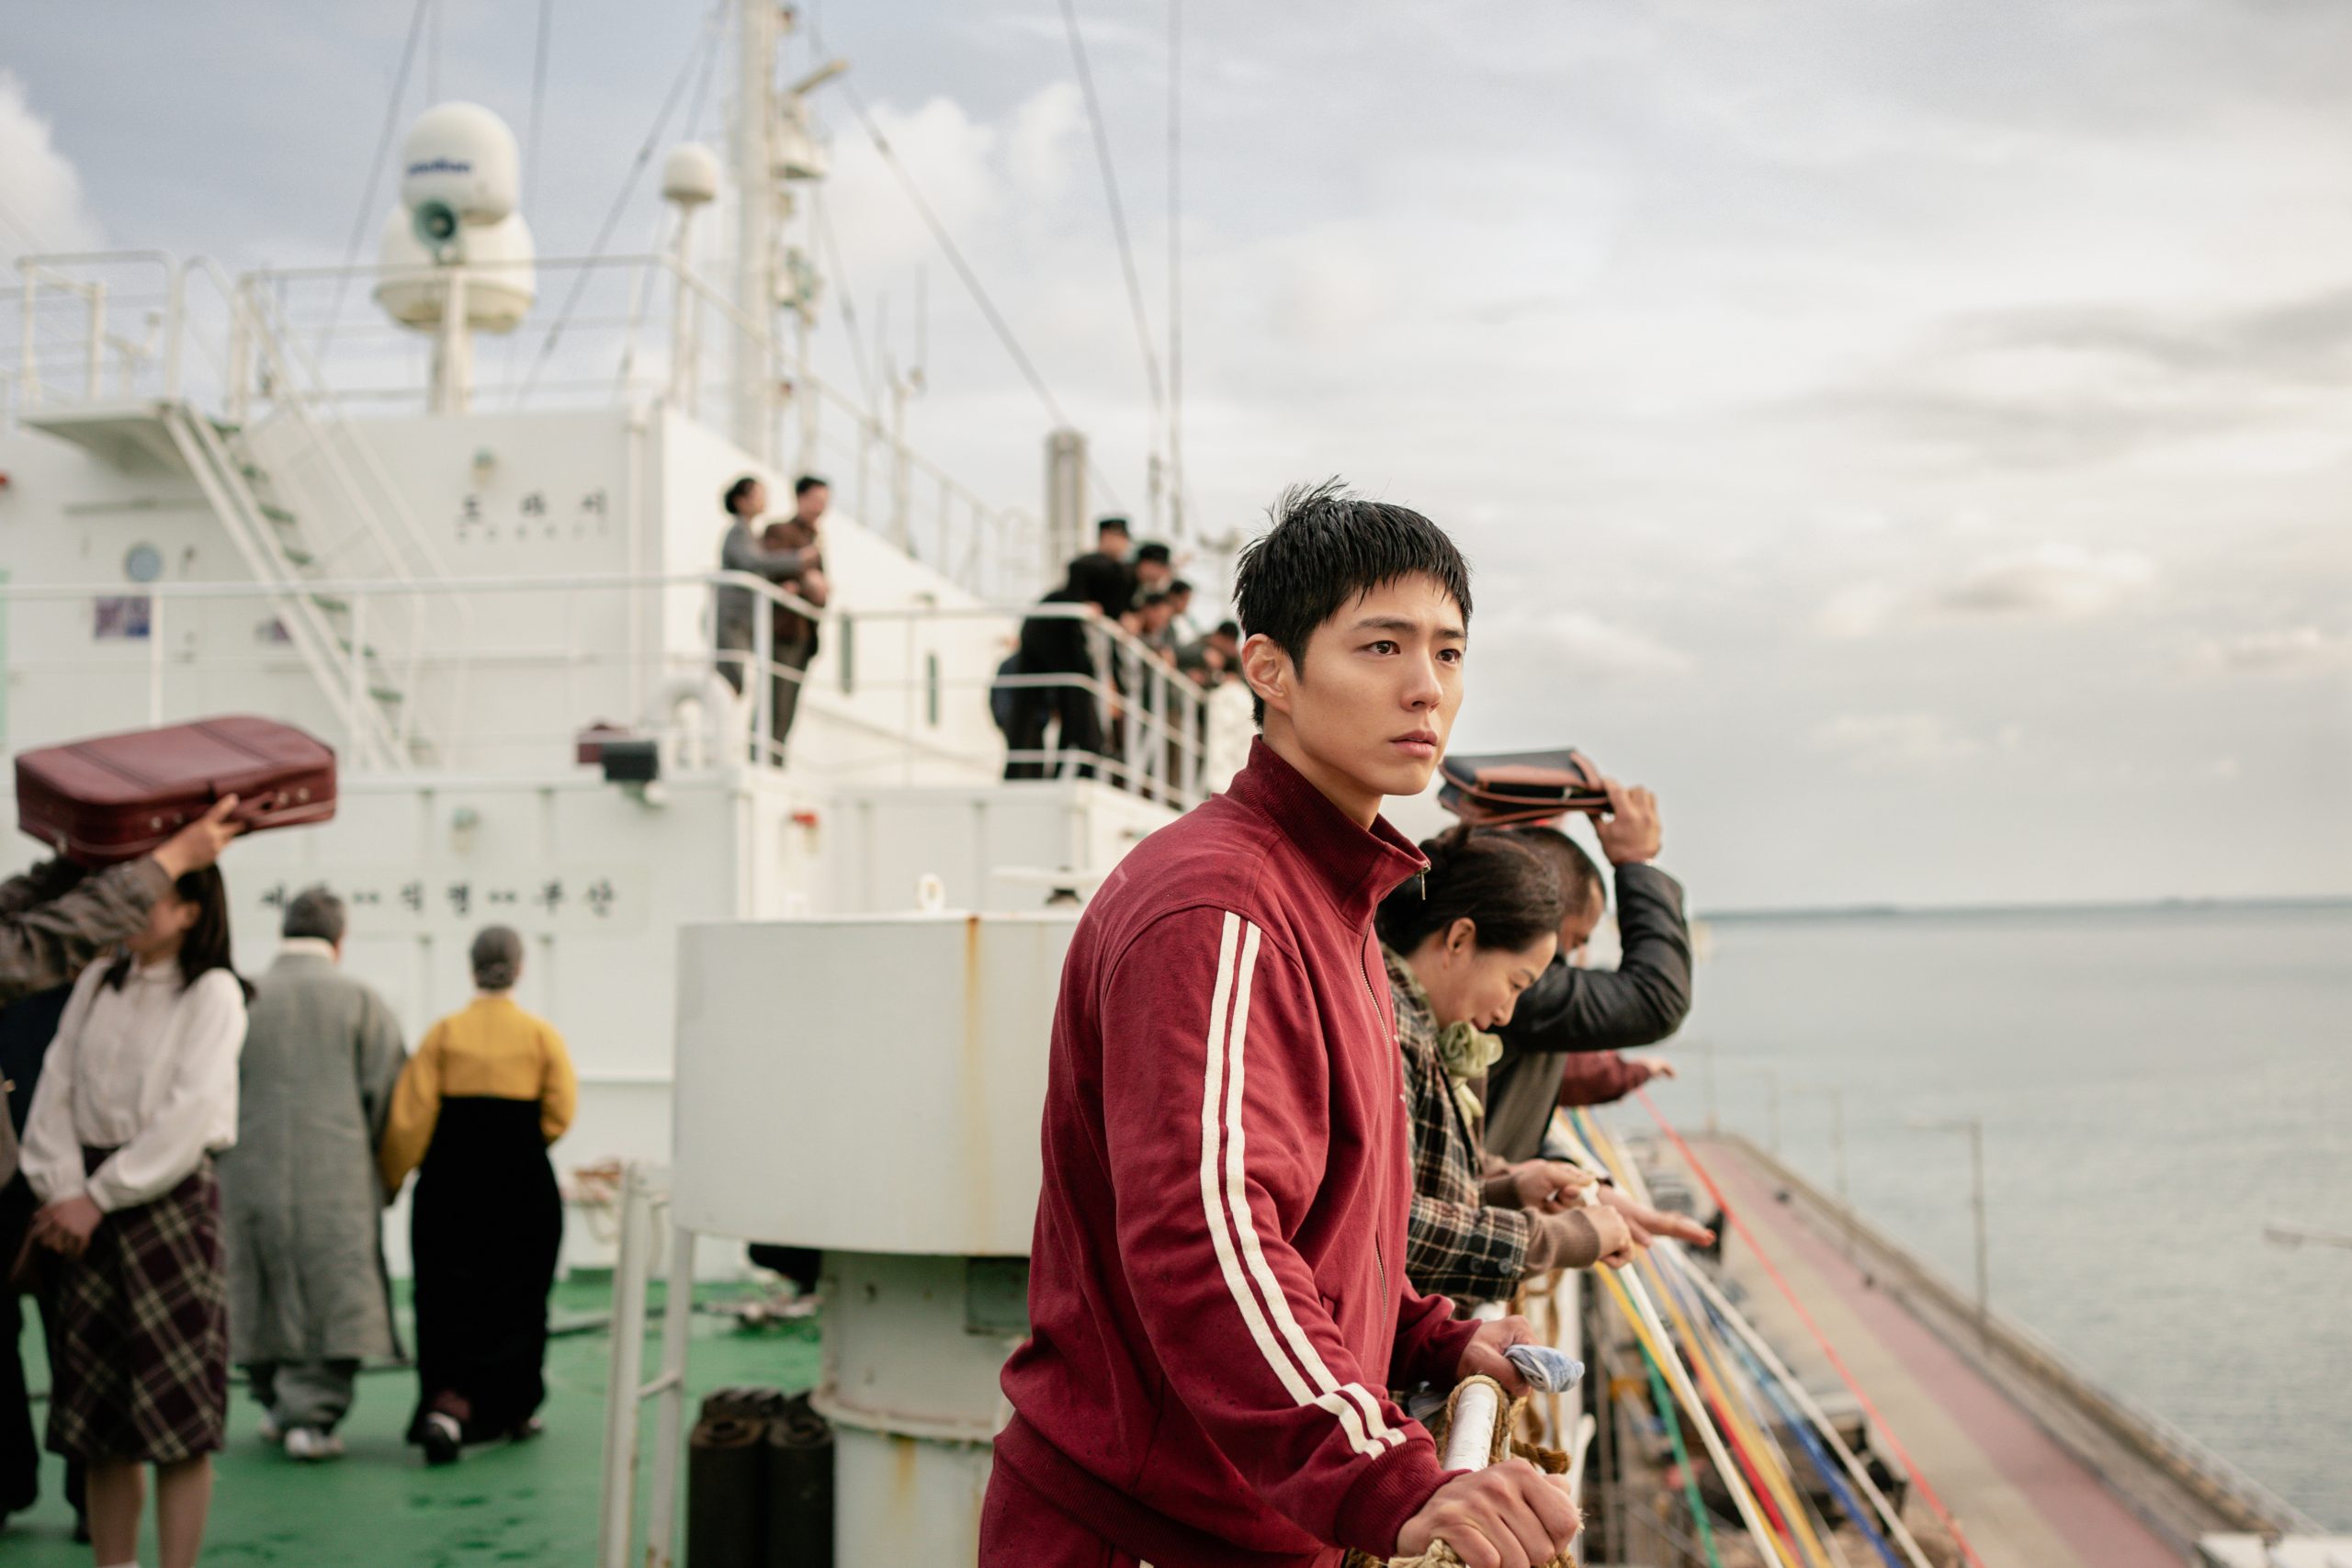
737, 612
1064, 644
490, 1088
1572, 1010
1217, 1304
1154, 568
793, 635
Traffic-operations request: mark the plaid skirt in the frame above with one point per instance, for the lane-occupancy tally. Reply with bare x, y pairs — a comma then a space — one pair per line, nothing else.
139, 1370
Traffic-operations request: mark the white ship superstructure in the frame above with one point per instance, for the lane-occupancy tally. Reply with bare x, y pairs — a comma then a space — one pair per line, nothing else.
247, 494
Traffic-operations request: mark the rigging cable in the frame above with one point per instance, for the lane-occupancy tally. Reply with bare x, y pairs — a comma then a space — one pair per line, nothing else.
375, 173
539, 97
964, 273
1175, 266
687, 72
820, 220
1118, 215
1731, 1217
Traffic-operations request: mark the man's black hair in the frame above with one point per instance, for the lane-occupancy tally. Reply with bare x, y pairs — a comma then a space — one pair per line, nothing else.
1580, 882
1327, 547
1112, 524
1154, 551
806, 483
1228, 628
1178, 585
740, 489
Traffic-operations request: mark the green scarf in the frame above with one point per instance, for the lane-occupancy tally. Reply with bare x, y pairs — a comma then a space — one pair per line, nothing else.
1464, 1050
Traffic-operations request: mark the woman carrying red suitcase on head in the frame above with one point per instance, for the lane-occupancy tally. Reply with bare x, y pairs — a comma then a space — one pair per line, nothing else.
138, 1091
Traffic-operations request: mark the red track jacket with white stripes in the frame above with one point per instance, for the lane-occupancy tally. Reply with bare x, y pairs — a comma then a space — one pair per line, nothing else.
1217, 1302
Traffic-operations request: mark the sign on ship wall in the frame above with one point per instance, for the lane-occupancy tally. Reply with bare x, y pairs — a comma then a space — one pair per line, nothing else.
403, 900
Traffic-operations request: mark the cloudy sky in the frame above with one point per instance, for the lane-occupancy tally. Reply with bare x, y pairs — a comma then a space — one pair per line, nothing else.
1912, 436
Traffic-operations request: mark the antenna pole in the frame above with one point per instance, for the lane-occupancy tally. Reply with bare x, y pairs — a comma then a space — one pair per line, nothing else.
755, 215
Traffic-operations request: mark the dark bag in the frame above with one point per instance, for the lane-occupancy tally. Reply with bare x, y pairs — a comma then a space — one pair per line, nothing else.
119, 796
1504, 787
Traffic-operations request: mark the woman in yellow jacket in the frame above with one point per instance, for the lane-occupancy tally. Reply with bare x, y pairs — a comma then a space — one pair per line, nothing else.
489, 1088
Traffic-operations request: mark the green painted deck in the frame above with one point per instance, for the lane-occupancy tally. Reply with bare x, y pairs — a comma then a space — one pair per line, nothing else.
533, 1501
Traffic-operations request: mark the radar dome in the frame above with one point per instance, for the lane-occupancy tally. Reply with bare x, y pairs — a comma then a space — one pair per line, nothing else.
460, 157
502, 279
690, 175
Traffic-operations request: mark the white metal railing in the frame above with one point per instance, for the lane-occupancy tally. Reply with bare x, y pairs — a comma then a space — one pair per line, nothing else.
885, 679
635, 329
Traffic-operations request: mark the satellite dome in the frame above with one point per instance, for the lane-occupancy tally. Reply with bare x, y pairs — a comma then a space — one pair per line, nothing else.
690, 175
502, 276
462, 158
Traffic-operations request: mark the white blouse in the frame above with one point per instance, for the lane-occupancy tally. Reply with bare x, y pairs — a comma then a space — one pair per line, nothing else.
149, 1071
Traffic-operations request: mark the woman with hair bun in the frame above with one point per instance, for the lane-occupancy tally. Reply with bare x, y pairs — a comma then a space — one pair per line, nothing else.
1462, 941
490, 1087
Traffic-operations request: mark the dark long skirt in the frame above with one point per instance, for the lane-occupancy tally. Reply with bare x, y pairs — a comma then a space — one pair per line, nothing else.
485, 1228
141, 1367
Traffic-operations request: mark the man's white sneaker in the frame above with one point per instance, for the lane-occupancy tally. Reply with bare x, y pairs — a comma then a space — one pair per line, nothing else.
310, 1445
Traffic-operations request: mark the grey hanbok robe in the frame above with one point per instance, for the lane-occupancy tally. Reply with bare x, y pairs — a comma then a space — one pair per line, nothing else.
300, 1193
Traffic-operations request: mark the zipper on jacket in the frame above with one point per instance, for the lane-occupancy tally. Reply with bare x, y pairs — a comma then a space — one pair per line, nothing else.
1379, 1261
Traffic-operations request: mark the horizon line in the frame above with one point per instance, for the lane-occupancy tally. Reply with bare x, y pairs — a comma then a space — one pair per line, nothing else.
2080, 906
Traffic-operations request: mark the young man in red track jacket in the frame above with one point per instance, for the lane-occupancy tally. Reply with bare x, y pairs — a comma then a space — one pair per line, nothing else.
1217, 1300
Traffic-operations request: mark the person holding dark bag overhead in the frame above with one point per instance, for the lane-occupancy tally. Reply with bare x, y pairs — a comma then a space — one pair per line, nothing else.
490, 1087
55, 920
137, 1092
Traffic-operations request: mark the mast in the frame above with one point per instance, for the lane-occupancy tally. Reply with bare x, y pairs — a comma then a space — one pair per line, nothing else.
755, 223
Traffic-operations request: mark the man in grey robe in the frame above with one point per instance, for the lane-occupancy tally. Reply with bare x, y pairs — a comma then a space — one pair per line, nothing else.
303, 1205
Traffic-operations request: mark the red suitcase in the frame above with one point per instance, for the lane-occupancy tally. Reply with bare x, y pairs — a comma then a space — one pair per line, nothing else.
118, 796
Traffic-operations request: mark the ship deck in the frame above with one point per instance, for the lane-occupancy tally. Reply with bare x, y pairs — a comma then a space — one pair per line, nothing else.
533, 1501
2019, 1494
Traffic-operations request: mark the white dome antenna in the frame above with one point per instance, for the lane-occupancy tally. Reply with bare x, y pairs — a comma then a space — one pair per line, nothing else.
459, 167
690, 182
690, 175
456, 257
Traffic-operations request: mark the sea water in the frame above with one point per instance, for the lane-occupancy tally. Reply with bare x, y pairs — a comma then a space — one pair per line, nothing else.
2157, 1084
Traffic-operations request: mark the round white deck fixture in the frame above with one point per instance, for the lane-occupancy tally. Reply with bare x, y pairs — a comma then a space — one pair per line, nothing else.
690, 175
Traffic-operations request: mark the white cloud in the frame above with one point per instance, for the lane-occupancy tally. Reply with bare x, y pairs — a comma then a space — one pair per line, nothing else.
42, 206
2286, 651
1891, 741
1583, 644
1857, 610
2056, 581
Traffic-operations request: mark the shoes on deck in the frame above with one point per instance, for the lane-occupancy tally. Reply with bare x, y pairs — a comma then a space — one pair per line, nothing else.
444, 1438
528, 1428
312, 1445
269, 1430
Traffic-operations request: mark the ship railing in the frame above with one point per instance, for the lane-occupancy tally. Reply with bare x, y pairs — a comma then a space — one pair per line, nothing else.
907, 689
605, 331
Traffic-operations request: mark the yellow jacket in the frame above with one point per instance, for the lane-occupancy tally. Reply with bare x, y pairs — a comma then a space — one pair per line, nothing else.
490, 1050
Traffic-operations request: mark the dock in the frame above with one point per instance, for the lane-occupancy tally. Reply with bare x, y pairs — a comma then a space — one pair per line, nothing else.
2038, 1467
